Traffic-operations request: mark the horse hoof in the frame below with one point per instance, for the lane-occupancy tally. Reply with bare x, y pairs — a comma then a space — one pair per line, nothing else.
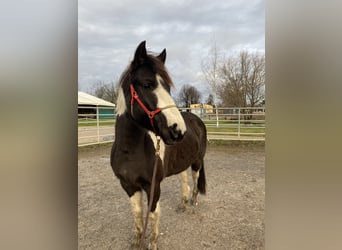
193, 202
136, 241
134, 246
152, 246
181, 208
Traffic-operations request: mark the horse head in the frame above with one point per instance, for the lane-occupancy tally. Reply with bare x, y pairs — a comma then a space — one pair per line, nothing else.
145, 89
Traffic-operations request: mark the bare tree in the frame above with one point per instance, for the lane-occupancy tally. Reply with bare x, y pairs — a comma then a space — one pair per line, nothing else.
98, 89
105, 91
256, 81
232, 90
210, 99
111, 92
243, 80
189, 95
211, 70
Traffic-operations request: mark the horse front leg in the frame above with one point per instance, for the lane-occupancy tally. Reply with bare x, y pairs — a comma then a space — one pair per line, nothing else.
185, 191
154, 217
137, 210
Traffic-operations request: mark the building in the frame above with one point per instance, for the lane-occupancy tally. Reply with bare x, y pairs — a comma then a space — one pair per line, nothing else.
201, 109
89, 106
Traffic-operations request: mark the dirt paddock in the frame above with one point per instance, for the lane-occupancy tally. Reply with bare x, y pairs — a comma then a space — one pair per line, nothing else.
229, 216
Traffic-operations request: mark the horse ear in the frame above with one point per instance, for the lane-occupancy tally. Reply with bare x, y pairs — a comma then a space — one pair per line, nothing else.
162, 56
140, 54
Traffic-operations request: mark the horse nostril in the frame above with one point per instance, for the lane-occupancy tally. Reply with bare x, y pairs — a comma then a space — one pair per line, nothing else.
173, 131
176, 134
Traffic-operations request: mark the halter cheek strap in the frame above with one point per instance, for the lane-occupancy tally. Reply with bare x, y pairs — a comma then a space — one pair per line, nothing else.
150, 114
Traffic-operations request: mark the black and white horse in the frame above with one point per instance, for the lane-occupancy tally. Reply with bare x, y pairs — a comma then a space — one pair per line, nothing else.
146, 110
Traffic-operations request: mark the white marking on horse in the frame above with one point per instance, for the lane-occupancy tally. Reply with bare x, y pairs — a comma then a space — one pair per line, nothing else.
154, 216
185, 191
121, 103
195, 175
162, 145
185, 186
172, 114
137, 210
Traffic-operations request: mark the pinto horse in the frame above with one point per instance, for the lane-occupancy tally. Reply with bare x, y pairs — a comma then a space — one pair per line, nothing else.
145, 113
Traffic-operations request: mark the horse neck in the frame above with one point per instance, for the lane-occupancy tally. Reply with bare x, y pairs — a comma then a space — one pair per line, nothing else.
128, 132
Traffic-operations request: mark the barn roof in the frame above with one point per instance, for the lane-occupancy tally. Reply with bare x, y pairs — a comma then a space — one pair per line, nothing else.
86, 99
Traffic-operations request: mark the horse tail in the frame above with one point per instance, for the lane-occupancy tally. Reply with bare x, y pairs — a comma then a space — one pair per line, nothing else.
201, 183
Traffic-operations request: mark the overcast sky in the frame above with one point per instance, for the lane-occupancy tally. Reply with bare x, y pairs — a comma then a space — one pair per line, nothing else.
109, 32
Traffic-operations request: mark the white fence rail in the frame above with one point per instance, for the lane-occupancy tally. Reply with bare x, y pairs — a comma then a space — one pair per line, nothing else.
96, 124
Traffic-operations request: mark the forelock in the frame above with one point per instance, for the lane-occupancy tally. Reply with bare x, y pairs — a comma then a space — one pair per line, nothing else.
160, 69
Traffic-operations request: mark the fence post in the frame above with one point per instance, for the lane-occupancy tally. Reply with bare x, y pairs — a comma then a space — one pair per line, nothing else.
98, 124
239, 123
217, 120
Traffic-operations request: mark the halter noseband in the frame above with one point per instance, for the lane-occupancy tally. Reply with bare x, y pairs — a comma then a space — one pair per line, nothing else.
150, 114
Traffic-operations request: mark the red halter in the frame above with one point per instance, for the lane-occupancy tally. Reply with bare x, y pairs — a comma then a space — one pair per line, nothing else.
150, 114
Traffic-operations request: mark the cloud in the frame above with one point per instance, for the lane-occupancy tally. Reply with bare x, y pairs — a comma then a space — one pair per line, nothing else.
109, 32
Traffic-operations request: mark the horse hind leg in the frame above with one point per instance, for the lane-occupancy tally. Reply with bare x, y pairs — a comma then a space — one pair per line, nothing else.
195, 175
137, 210
198, 177
185, 191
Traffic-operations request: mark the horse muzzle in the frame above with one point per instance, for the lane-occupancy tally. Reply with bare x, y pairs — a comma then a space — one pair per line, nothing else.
173, 134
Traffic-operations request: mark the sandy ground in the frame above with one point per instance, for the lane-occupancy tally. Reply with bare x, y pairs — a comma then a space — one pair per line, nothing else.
229, 216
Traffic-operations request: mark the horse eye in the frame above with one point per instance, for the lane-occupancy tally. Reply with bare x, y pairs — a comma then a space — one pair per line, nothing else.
146, 85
